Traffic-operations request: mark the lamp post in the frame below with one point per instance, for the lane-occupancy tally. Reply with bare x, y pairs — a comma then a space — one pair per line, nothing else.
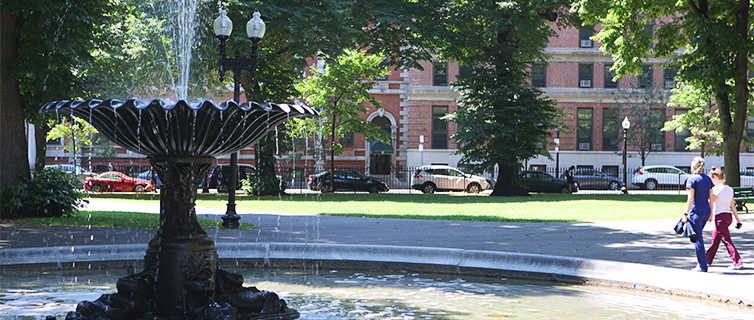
626, 124
255, 28
557, 153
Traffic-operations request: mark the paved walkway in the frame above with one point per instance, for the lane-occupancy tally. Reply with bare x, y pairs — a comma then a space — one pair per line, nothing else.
651, 243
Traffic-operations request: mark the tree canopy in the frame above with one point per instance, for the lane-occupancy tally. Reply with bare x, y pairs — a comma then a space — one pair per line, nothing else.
715, 41
502, 119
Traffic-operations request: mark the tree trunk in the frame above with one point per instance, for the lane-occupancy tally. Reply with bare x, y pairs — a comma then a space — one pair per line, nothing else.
508, 184
14, 162
40, 137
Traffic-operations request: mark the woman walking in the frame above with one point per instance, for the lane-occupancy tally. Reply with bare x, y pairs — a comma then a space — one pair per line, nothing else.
723, 206
697, 212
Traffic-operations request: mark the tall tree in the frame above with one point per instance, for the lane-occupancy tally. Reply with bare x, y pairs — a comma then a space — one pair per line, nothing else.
645, 108
714, 37
14, 164
501, 117
339, 91
76, 133
700, 120
297, 31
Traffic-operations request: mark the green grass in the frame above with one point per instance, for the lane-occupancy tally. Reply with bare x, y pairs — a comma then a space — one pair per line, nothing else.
137, 220
537, 208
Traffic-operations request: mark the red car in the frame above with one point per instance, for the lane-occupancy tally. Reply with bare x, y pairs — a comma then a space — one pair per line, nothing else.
116, 181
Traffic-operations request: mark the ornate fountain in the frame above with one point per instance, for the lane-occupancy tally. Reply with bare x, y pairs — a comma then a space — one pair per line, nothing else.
181, 277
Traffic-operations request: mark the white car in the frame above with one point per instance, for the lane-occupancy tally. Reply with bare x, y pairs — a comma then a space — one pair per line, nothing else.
652, 177
429, 179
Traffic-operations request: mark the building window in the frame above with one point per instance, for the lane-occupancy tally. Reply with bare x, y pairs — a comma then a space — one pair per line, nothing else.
679, 141
347, 140
439, 127
584, 118
538, 75
584, 35
650, 32
586, 74
383, 64
440, 74
464, 70
645, 78
609, 75
669, 76
611, 129
654, 131
55, 142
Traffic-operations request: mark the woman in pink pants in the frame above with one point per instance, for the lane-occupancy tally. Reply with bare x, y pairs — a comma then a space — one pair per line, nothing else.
722, 207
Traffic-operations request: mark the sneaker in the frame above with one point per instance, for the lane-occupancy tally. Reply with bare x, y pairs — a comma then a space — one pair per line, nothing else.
698, 269
736, 266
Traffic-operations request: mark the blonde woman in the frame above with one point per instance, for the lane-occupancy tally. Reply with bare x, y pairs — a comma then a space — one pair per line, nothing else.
723, 206
697, 212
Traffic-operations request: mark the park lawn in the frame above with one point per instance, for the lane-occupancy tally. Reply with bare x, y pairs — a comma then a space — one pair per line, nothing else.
537, 208
138, 220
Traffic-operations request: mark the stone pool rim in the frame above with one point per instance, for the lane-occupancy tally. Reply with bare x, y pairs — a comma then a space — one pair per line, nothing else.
724, 288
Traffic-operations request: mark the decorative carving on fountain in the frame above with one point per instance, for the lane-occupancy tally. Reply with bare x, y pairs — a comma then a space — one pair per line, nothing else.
181, 278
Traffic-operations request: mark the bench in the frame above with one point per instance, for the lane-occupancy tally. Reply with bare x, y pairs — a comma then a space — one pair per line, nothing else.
742, 195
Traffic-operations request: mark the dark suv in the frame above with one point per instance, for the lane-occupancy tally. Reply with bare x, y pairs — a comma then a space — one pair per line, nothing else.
220, 174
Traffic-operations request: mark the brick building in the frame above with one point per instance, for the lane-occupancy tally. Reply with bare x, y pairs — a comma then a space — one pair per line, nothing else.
577, 76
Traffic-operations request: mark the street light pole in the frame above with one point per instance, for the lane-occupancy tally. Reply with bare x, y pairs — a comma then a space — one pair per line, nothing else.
557, 153
626, 124
255, 28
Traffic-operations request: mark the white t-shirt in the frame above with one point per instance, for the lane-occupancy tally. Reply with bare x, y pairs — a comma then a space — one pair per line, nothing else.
724, 198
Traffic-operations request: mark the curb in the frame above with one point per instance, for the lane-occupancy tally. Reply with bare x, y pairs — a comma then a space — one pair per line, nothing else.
713, 287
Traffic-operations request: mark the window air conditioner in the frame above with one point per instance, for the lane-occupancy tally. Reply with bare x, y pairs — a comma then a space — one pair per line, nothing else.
585, 83
585, 146
657, 147
750, 149
669, 84
586, 43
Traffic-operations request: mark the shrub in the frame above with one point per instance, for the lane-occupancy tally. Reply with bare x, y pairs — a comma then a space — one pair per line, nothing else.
50, 193
267, 185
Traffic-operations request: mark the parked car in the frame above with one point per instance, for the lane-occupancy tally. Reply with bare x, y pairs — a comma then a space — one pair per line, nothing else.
147, 175
346, 180
72, 169
590, 179
219, 177
538, 181
653, 177
116, 181
433, 178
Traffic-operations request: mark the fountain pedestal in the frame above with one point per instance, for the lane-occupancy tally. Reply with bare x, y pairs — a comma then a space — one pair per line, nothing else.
181, 278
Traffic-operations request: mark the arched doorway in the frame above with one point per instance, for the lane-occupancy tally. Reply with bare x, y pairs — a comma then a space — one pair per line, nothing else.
381, 154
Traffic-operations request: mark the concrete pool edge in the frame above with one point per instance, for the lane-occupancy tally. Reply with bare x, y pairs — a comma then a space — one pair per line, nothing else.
725, 288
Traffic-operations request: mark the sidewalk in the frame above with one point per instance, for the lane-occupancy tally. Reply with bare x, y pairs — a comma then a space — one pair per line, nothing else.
650, 243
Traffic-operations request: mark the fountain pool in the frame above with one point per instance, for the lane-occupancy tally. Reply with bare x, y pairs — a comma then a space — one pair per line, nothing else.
342, 294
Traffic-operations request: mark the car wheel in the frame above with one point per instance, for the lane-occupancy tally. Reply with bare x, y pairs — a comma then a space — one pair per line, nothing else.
140, 188
374, 189
96, 188
565, 189
221, 188
474, 188
650, 184
325, 188
614, 185
428, 188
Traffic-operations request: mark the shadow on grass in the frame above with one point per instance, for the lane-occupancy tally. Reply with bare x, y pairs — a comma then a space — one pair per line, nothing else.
457, 217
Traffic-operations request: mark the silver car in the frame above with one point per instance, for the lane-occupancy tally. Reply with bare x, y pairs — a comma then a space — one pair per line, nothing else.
429, 179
